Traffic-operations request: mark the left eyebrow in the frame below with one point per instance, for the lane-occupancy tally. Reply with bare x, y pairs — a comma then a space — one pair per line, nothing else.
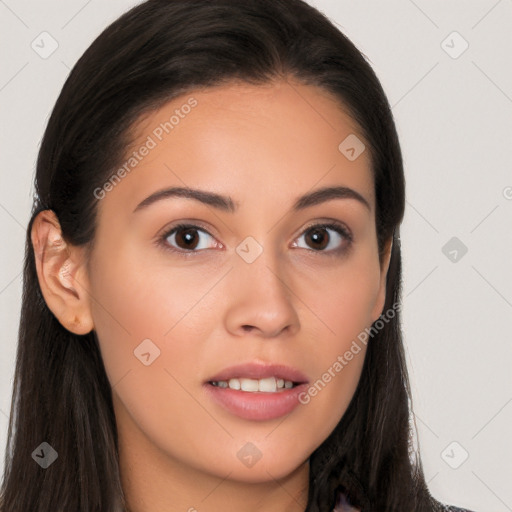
326, 194
226, 203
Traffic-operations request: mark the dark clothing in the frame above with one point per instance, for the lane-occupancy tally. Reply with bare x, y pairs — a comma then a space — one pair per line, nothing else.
343, 506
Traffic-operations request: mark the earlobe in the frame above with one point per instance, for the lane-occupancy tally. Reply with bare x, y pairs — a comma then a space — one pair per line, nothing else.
62, 275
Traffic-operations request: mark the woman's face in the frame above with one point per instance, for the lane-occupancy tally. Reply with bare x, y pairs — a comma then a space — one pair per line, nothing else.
252, 282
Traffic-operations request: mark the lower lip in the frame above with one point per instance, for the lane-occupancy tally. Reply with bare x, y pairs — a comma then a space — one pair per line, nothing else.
257, 405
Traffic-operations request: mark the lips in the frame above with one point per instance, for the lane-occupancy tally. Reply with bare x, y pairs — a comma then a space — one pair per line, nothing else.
257, 405
259, 370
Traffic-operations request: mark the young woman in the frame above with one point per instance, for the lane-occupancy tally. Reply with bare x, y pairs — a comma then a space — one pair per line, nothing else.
211, 306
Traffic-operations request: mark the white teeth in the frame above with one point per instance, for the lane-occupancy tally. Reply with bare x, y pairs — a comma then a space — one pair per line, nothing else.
267, 385
249, 385
234, 384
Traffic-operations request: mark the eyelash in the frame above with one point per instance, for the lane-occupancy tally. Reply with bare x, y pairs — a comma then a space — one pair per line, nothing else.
338, 228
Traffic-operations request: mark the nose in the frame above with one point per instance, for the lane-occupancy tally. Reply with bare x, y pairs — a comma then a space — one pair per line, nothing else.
260, 302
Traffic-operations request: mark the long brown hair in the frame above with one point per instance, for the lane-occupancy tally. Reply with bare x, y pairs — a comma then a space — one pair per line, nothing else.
156, 51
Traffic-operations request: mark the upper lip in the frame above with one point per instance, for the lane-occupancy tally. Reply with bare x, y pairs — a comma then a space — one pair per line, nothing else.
260, 370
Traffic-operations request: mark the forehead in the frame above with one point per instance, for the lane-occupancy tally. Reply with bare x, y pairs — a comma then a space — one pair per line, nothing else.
269, 141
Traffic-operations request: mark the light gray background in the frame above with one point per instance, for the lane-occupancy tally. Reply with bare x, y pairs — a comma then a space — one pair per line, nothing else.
454, 118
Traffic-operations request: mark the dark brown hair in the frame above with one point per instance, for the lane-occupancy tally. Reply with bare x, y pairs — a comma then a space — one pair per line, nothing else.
156, 51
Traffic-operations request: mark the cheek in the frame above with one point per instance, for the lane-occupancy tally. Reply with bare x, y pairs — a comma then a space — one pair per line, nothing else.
139, 309
159, 313
345, 299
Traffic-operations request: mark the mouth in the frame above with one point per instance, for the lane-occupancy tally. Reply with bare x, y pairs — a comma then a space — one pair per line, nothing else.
258, 376
257, 391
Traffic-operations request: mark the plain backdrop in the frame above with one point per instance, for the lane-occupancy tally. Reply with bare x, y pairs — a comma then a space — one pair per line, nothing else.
446, 67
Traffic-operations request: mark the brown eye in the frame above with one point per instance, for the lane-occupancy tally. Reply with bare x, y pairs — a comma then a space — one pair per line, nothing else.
318, 238
325, 237
187, 238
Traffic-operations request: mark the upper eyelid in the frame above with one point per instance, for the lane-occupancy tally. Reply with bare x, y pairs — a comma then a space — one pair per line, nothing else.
335, 223
166, 231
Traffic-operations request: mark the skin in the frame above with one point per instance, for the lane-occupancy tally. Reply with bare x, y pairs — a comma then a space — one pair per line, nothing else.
264, 146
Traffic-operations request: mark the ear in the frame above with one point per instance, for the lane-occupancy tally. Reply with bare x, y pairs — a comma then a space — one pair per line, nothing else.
61, 270
381, 296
